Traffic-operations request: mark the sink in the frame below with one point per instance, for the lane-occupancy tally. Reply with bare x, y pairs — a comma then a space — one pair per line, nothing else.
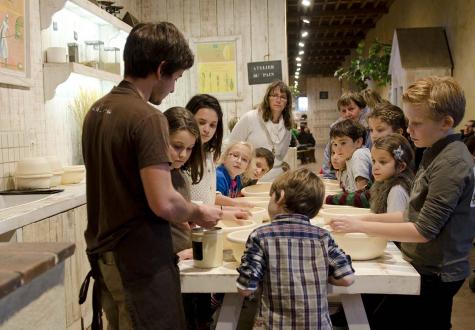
7, 201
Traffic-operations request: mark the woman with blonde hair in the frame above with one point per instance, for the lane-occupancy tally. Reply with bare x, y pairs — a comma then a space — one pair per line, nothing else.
269, 126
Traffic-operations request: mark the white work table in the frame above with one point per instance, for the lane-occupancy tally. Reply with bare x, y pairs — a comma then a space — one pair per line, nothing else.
389, 274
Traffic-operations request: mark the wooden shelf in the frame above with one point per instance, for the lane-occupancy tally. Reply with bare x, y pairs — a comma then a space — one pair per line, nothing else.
57, 73
82, 8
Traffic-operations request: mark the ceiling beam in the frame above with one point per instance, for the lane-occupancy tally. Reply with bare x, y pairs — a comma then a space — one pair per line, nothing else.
294, 16
331, 28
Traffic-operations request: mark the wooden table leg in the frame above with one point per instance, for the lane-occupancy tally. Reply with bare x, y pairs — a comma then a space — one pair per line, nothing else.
354, 312
230, 311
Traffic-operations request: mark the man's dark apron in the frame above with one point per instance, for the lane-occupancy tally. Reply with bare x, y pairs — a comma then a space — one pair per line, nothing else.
150, 276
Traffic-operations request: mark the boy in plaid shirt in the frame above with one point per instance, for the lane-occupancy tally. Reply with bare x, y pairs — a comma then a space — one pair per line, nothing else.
292, 259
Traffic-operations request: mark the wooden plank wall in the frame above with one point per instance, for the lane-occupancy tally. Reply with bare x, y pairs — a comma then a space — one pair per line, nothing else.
322, 113
260, 23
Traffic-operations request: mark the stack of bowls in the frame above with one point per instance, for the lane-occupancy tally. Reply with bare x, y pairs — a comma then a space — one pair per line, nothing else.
56, 169
33, 173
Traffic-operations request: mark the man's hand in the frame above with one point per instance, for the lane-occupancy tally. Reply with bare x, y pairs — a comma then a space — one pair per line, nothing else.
206, 216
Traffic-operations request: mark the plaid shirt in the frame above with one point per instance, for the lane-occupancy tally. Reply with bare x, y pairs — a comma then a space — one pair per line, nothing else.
293, 259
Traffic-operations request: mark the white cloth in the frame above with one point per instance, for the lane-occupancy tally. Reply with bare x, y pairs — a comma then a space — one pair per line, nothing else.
398, 198
359, 165
250, 129
205, 190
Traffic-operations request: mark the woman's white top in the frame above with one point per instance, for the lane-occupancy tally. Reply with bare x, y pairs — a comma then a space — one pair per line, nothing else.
275, 137
205, 190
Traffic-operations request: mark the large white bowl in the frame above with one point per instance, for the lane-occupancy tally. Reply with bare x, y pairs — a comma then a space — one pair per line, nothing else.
254, 198
229, 226
28, 182
360, 246
330, 213
32, 166
237, 242
259, 214
73, 174
333, 185
260, 189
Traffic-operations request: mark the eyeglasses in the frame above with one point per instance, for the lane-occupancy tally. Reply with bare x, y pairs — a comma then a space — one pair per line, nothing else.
239, 157
282, 97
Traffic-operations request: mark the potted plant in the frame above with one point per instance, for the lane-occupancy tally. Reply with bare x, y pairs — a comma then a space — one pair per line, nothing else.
373, 67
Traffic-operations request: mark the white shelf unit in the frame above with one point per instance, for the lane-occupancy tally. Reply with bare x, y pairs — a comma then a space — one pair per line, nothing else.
57, 73
63, 22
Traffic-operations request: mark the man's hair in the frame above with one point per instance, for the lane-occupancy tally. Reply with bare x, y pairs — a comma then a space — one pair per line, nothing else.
346, 98
264, 107
390, 114
303, 191
150, 44
206, 101
348, 128
441, 96
266, 154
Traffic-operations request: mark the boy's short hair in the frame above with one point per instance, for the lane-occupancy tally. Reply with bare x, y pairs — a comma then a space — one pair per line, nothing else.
150, 44
266, 154
346, 98
442, 96
303, 191
348, 128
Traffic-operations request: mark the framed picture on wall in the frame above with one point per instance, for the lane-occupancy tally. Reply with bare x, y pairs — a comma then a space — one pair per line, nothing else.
217, 69
14, 43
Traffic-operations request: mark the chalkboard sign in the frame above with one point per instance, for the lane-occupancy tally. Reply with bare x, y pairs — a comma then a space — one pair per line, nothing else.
264, 72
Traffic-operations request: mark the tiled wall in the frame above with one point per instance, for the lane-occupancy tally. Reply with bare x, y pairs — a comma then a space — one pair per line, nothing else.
28, 126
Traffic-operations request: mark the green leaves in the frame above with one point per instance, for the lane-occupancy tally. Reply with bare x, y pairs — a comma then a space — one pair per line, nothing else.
373, 67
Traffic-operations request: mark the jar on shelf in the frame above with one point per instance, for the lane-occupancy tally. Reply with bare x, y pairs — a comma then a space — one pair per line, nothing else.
94, 51
111, 60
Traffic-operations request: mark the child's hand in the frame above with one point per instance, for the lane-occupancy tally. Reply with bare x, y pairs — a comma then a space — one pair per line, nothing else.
185, 254
346, 224
236, 214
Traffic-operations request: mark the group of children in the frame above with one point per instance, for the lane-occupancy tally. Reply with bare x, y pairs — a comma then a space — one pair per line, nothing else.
432, 213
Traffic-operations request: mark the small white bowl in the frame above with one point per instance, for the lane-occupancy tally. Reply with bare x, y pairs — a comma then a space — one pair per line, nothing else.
73, 174
237, 242
260, 189
229, 226
28, 182
330, 213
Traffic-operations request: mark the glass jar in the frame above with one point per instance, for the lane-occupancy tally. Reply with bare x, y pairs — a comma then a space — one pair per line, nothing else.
111, 60
94, 50
207, 247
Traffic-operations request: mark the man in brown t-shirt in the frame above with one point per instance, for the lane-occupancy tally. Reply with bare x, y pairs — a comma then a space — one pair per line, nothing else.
130, 197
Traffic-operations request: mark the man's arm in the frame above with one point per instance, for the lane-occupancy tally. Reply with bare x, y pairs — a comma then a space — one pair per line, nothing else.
168, 204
